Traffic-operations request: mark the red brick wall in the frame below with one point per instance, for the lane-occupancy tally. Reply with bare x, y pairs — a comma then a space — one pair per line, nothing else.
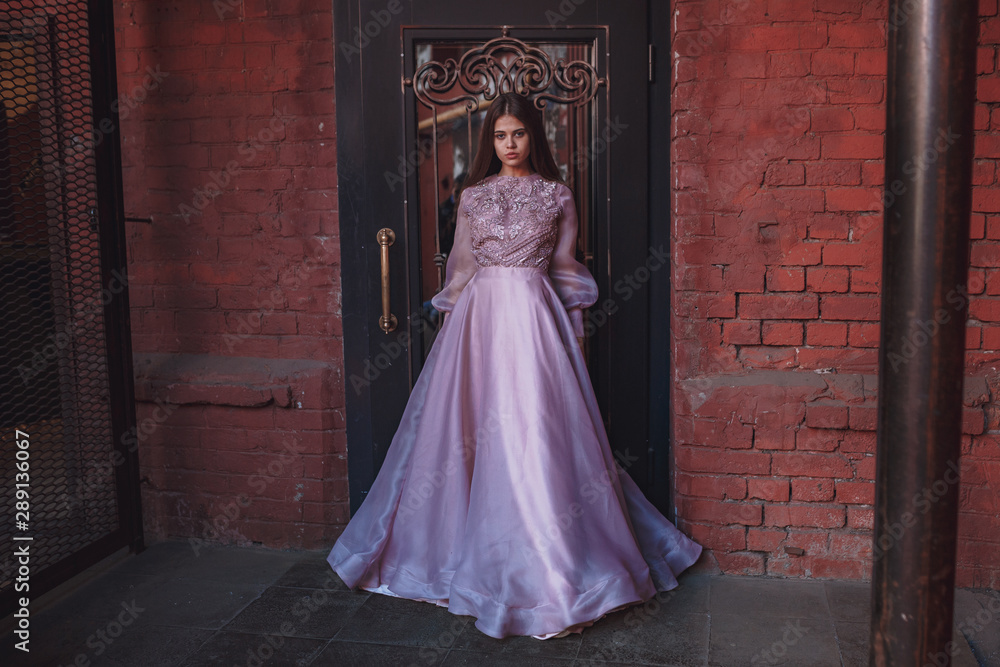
778, 125
229, 144
778, 119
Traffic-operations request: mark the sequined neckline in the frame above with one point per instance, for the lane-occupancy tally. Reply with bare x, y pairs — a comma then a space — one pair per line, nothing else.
520, 178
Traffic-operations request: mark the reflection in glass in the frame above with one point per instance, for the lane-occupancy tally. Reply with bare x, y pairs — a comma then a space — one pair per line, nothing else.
447, 137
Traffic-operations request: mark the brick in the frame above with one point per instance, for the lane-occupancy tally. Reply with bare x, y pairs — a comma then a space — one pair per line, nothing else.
851, 254
854, 199
722, 538
860, 518
871, 63
812, 490
720, 512
720, 433
800, 464
786, 279
782, 333
857, 34
863, 418
803, 254
826, 333
830, 119
743, 563
812, 516
826, 416
706, 460
973, 421
699, 278
767, 357
767, 540
852, 146
839, 568
785, 174
827, 279
716, 487
772, 306
833, 172
864, 334
866, 280
788, 64
742, 332
774, 438
856, 493
829, 226
850, 308
775, 490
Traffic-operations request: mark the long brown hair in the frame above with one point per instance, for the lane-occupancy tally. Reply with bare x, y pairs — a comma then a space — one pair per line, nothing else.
540, 153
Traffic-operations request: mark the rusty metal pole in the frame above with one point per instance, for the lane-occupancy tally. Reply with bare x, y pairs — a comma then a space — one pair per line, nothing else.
928, 172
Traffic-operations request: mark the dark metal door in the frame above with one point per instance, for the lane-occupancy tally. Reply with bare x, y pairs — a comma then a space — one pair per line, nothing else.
403, 137
70, 474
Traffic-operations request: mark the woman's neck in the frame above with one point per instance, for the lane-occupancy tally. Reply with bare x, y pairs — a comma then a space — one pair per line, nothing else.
520, 173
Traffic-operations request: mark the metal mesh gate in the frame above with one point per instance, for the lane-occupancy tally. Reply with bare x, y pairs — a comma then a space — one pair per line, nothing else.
56, 384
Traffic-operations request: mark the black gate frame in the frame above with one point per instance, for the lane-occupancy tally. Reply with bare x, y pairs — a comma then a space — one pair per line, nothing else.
110, 219
649, 333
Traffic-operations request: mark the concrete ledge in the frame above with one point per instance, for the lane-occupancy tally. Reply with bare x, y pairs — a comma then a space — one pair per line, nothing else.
192, 379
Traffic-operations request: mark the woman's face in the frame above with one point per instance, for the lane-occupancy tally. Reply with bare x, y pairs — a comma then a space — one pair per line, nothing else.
511, 142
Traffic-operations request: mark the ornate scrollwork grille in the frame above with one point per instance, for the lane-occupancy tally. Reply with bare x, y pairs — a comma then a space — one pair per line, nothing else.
457, 88
484, 72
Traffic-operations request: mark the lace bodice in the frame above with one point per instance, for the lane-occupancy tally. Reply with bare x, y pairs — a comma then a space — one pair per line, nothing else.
513, 220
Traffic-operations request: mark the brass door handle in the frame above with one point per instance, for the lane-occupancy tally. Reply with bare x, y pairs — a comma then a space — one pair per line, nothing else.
386, 237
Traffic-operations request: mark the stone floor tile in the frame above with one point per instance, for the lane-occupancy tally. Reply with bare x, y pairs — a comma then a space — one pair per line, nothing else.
852, 638
297, 612
237, 648
740, 639
981, 624
471, 639
460, 658
649, 636
785, 598
357, 654
384, 619
849, 601
153, 646
311, 571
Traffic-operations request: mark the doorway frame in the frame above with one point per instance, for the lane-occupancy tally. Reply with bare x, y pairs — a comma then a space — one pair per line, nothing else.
652, 339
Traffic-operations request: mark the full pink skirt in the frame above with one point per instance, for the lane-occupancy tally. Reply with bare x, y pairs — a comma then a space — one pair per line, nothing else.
499, 497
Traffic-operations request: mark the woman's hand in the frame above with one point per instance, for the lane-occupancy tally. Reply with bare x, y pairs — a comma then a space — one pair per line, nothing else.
579, 339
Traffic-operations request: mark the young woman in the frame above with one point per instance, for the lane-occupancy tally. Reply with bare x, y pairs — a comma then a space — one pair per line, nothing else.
499, 497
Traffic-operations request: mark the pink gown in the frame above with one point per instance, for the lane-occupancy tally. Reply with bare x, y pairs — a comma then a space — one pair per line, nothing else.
499, 497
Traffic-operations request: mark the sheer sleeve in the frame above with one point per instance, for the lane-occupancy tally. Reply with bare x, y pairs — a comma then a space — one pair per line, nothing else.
461, 264
572, 281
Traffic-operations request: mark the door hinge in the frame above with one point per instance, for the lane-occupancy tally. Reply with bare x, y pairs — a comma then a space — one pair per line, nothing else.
652, 62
